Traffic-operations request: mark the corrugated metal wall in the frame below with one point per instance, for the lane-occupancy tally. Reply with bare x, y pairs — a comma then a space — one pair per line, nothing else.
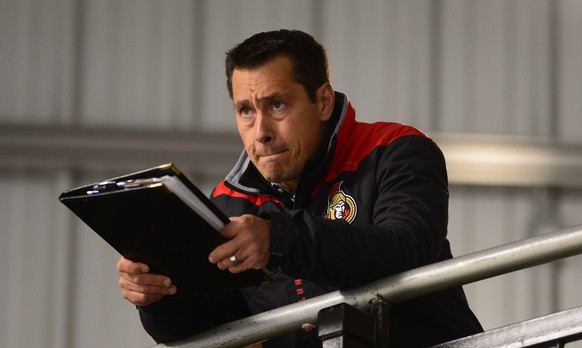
487, 67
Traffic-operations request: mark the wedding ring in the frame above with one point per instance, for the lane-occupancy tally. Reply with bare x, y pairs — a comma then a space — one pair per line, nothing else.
234, 260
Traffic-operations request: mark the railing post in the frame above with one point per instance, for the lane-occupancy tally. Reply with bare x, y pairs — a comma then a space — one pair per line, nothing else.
380, 311
344, 326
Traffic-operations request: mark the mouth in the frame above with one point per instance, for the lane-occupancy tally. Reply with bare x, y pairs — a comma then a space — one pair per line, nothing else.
270, 157
272, 153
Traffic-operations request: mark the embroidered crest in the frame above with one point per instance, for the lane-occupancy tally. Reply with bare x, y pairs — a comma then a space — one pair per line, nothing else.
340, 206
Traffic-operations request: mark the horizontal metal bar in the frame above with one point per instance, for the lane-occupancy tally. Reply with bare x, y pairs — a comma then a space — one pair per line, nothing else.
511, 161
471, 159
562, 327
411, 284
211, 154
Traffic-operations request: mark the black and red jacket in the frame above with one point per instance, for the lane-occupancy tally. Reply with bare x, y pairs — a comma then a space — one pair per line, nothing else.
372, 203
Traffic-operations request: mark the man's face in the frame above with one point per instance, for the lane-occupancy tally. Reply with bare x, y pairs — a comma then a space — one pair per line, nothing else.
281, 128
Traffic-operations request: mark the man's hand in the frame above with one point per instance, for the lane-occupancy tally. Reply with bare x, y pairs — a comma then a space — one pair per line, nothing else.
249, 243
140, 287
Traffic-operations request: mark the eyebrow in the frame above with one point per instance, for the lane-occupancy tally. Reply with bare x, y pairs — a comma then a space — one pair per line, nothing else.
266, 99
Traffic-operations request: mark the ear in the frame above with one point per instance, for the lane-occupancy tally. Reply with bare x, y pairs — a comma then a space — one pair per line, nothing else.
325, 101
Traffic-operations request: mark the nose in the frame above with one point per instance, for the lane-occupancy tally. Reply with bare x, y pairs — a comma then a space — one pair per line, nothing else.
264, 129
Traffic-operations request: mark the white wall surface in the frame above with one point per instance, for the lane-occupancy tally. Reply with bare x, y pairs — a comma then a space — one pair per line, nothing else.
448, 66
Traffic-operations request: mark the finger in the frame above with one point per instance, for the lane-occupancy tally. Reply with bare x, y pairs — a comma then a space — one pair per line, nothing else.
225, 264
140, 299
147, 279
230, 262
149, 290
222, 253
248, 262
127, 266
240, 267
166, 289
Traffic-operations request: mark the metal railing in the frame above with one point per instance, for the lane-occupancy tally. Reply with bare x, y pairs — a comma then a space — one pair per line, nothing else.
397, 288
552, 330
471, 159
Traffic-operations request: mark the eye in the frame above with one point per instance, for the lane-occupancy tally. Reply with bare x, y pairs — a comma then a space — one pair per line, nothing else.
245, 111
278, 106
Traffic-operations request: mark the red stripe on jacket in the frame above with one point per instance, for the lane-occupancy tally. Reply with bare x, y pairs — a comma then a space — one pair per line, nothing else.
356, 140
258, 200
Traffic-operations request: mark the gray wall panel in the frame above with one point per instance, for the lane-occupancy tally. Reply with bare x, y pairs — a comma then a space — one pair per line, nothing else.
449, 66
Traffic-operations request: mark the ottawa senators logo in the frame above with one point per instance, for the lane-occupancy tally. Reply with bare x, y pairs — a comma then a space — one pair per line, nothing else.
340, 206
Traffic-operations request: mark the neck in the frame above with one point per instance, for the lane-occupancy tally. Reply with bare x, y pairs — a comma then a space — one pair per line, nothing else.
290, 186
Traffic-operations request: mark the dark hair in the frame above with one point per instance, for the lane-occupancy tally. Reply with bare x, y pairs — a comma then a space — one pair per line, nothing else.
308, 57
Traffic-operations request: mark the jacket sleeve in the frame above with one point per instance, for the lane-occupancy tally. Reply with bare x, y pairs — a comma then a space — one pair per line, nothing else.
405, 227
178, 318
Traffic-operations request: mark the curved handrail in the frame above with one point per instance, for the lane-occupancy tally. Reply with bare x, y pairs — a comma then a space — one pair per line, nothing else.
403, 286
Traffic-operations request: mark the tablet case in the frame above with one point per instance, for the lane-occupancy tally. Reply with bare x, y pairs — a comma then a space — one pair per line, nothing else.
150, 224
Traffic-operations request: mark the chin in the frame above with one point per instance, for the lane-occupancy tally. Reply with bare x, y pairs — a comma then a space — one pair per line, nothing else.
270, 169
269, 175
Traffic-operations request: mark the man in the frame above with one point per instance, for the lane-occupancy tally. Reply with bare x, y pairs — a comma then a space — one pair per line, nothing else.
326, 201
